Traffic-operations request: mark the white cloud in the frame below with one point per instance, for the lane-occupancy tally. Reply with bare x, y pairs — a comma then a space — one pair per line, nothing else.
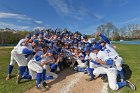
131, 20
60, 6
19, 17
13, 26
38, 22
64, 9
13, 15
120, 3
98, 16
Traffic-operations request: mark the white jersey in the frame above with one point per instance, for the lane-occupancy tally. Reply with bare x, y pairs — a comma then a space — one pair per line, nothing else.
39, 53
48, 58
104, 57
19, 43
92, 56
87, 57
110, 51
67, 53
19, 49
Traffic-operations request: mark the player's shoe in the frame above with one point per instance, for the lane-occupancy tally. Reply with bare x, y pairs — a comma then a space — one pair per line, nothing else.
41, 88
8, 77
104, 78
75, 69
85, 72
18, 79
45, 85
89, 79
131, 85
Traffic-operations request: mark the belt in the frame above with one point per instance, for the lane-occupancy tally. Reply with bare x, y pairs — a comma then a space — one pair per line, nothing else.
116, 57
109, 67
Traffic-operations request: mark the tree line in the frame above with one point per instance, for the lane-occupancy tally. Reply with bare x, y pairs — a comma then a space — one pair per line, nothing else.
126, 32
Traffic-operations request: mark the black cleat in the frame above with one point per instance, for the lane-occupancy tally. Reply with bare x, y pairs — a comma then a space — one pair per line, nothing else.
104, 78
41, 88
8, 77
18, 79
131, 85
75, 69
89, 79
45, 85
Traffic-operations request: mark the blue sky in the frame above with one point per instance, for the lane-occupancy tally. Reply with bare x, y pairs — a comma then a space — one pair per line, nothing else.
76, 15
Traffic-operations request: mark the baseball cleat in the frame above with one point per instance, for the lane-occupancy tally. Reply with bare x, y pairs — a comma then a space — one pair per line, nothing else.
75, 69
8, 77
104, 78
89, 79
18, 79
41, 88
131, 85
45, 85
85, 72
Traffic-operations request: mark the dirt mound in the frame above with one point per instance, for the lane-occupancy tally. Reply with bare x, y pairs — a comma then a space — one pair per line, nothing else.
70, 82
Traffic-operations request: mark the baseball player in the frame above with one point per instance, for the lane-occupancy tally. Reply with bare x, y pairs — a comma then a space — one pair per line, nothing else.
21, 60
12, 60
36, 69
109, 49
107, 67
92, 63
46, 68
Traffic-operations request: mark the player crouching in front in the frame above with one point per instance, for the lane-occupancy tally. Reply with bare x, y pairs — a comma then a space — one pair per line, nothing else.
107, 67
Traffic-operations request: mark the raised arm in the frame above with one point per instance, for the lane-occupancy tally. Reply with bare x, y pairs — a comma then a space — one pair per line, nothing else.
103, 37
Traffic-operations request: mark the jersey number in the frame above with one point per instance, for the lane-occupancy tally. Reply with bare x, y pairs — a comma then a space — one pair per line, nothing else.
108, 51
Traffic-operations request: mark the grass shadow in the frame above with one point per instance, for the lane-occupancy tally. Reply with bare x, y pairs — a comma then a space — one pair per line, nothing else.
127, 72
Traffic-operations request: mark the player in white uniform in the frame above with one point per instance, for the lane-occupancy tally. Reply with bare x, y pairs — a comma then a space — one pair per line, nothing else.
12, 60
47, 75
92, 63
112, 53
80, 60
107, 67
21, 60
36, 68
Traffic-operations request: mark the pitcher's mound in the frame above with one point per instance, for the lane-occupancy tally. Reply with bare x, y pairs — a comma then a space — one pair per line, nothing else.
70, 82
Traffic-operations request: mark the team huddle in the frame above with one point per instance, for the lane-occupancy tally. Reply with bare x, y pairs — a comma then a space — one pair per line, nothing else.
42, 55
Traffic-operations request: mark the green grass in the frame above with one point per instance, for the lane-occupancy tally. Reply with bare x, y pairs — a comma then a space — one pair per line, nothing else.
130, 54
10, 86
131, 58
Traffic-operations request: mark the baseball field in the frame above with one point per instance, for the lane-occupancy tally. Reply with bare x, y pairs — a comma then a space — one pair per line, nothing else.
131, 65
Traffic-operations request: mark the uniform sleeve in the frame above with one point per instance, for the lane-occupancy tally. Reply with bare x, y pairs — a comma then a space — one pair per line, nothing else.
37, 58
109, 62
105, 38
102, 56
27, 51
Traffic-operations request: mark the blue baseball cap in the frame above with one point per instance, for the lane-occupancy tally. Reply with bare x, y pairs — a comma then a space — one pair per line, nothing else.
46, 34
88, 44
35, 41
86, 49
50, 51
94, 47
28, 36
41, 37
41, 32
35, 33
